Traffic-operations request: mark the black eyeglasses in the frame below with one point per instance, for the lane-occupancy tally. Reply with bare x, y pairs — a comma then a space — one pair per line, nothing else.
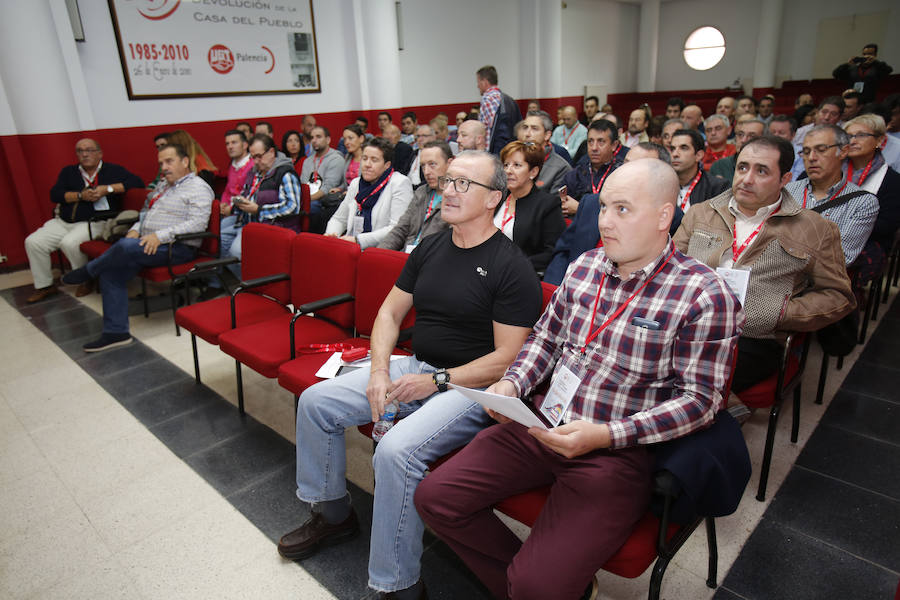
861, 135
820, 149
460, 184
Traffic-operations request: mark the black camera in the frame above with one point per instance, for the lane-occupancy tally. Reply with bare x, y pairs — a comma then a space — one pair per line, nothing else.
859, 59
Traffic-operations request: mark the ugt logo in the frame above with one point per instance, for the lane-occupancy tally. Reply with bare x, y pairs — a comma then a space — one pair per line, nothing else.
221, 59
156, 10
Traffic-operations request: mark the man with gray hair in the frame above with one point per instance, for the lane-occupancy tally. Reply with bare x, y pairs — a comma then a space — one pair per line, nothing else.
570, 134
537, 128
669, 129
476, 298
718, 128
828, 191
746, 128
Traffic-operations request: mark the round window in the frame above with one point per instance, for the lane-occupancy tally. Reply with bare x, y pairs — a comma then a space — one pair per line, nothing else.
704, 48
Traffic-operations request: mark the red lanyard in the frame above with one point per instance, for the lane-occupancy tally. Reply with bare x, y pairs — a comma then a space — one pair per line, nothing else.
157, 197
359, 203
566, 137
735, 251
257, 181
596, 188
836, 194
90, 182
317, 348
315, 174
619, 310
862, 177
506, 219
687, 195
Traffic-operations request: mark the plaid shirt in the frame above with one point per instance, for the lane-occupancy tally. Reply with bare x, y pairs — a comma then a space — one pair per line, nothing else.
855, 219
180, 208
647, 385
487, 111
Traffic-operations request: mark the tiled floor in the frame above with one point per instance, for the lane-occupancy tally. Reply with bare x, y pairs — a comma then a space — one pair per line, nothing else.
123, 479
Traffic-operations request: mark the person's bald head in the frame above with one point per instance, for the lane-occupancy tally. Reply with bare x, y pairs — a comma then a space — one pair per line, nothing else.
471, 135
637, 204
391, 133
692, 115
569, 116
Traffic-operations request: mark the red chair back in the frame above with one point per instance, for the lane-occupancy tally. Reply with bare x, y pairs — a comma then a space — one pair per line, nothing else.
134, 199
547, 290
210, 245
305, 202
322, 267
266, 250
378, 271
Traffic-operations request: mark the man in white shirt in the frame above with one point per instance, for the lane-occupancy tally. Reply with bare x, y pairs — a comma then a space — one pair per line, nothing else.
571, 133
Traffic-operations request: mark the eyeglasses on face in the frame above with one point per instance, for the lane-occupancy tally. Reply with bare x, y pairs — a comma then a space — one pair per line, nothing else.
820, 149
259, 156
460, 184
861, 135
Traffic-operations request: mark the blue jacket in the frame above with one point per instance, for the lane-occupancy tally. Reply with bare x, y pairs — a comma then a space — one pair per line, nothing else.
583, 235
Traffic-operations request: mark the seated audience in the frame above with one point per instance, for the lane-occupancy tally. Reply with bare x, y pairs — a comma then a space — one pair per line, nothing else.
323, 170
384, 119
784, 293
828, 113
824, 149
686, 150
591, 108
582, 233
471, 135
669, 128
803, 100
692, 117
867, 169
200, 161
674, 106
718, 130
306, 126
630, 393
602, 159
403, 152
161, 139
746, 128
766, 108
654, 128
726, 107
245, 128
537, 128
292, 147
637, 126
408, 123
423, 215
746, 105
571, 133
439, 125
271, 193
265, 128
851, 105
79, 192
424, 134
864, 73
352, 139
476, 299
528, 216
178, 206
375, 200
782, 126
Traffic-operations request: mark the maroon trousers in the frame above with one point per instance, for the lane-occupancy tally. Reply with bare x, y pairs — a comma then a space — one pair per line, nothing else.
594, 503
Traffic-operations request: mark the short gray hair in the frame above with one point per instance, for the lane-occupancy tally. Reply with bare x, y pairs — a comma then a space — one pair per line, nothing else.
546, 121
660, 150
840, 136
717, 117
680, 122
498, 180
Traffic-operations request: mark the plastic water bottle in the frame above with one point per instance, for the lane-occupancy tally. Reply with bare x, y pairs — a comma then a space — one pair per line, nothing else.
386, 422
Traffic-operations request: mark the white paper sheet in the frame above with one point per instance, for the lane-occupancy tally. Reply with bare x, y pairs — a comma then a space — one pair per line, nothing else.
513, 408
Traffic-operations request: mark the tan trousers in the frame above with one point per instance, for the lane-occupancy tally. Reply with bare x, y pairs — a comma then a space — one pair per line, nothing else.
56, 234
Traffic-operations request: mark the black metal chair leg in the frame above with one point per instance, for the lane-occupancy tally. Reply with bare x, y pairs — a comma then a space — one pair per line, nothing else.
240, 386
767, 453
713, 553
174, 305
823, 375
879, 284
795, 424
659, 569
196, 359
144, 295
840, 363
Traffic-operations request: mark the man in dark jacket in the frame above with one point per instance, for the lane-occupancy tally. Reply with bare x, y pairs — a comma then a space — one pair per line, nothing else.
864, 73
687, 149
498, 111
80, 191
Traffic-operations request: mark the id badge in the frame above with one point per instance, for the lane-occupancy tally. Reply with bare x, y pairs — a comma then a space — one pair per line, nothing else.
357, 225
737, 279
409, 248
315, 186
858, 86
562, 389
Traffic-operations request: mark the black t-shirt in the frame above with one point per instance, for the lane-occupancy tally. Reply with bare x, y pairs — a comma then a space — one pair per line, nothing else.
458, 292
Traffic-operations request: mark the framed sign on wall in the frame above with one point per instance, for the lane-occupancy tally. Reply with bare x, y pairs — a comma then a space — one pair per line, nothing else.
193, 48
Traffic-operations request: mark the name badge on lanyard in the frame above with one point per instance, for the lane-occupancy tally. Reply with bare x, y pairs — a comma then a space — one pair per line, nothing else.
358, 225
738, 281
315, 186
409, 248
562, 390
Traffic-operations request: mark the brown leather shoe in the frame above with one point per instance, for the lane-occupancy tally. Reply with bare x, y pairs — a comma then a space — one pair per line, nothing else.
40, 294
84, 289
306, 540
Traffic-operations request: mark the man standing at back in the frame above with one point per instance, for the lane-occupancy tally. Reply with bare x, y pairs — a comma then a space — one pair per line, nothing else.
497, 110
476, 299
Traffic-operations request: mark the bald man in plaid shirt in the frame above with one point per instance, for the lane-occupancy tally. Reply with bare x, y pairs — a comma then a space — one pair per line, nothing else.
637, 343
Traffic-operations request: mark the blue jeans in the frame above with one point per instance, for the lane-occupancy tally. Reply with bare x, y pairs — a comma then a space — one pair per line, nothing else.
227, 233
430, 429
235, 251
118, 265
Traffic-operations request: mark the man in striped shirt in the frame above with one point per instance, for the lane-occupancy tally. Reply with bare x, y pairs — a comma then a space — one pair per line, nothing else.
179, 205
637, 343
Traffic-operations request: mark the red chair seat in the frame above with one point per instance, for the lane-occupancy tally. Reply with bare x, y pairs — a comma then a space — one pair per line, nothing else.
159, 274
209, 319
762, 394
265, 346
94, 248
300, 373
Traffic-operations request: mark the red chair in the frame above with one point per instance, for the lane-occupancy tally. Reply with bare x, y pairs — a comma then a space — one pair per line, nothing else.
772, 392
323, 277
378, 271
176, 273
134, 200
264, 294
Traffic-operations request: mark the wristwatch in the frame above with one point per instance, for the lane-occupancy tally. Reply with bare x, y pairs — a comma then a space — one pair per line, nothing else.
109, 189
441, 378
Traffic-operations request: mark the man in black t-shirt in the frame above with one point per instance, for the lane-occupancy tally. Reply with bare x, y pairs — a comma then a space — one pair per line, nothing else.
476, 298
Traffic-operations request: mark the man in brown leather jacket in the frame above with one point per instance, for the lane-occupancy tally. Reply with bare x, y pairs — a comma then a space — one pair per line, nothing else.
797, 279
